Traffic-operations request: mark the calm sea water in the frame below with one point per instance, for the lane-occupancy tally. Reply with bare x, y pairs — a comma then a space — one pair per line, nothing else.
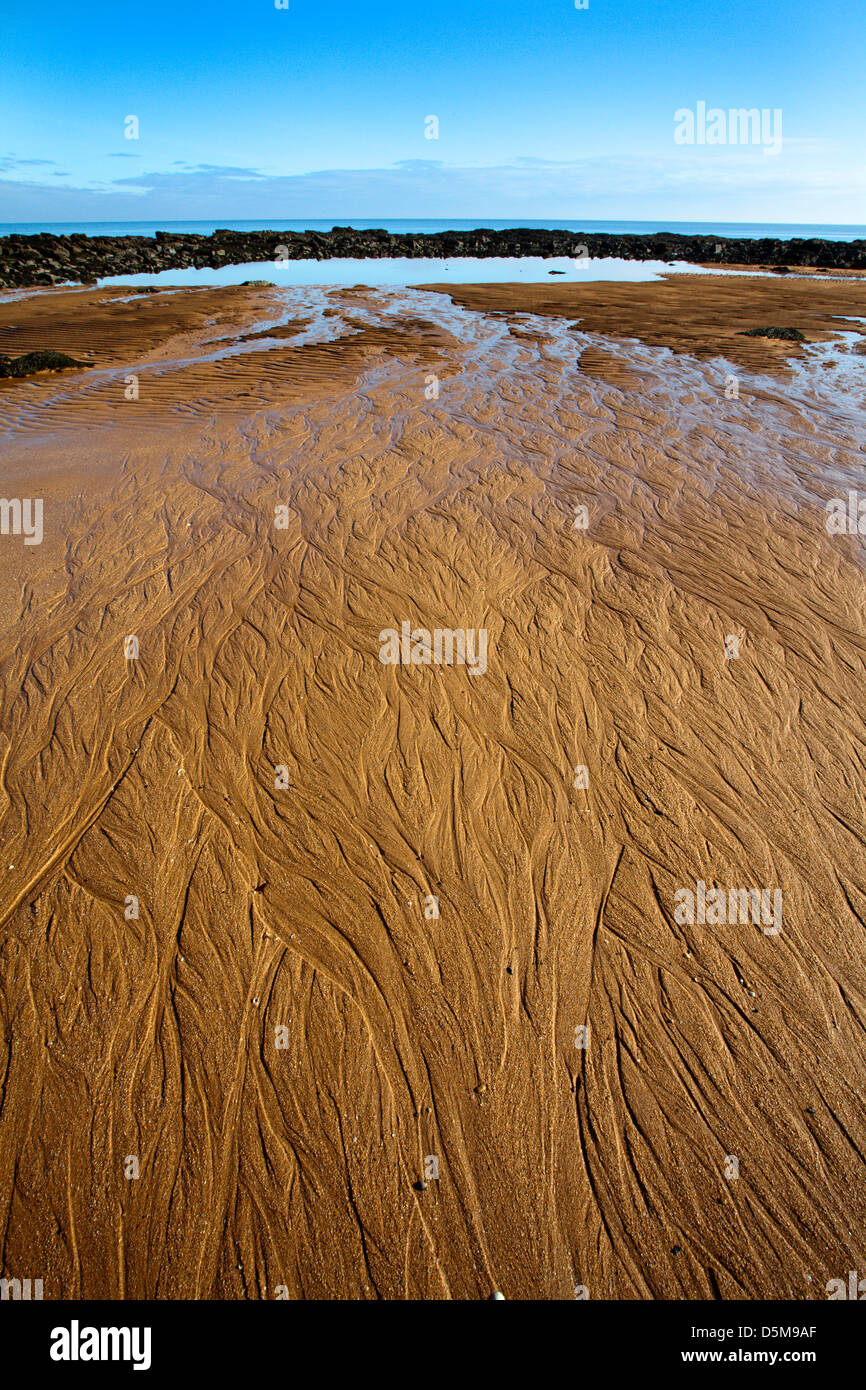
783, 231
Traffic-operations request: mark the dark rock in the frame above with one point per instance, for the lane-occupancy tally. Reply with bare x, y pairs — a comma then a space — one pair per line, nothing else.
790, 335
32, 362
48, 259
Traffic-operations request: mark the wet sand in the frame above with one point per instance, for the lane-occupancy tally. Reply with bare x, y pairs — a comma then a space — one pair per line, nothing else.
287, 931
701, 316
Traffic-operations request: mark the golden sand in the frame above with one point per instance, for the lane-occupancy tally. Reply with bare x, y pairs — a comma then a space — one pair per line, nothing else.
407, 924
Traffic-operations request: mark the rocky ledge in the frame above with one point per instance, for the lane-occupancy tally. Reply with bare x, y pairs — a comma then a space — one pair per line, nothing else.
44, 360
46, 259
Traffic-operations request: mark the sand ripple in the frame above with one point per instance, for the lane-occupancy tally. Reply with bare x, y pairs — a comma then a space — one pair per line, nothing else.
307, 909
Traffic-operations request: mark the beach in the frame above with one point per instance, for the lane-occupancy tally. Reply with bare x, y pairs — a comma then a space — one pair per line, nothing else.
335, 966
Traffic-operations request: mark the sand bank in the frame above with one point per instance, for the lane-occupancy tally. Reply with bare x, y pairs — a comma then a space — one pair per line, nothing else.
289, 932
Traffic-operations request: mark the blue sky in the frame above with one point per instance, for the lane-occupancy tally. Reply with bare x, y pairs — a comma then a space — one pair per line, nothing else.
545, 111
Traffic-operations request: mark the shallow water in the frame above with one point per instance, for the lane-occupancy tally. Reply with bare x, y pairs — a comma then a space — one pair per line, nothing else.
492, 359
402, 270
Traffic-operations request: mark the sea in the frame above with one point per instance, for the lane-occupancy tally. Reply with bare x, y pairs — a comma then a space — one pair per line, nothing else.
781, 230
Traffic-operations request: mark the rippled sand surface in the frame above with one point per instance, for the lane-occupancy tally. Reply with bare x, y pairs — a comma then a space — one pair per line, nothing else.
384, 928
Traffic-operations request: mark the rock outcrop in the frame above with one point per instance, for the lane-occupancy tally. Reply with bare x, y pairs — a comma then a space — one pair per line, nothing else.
46, 259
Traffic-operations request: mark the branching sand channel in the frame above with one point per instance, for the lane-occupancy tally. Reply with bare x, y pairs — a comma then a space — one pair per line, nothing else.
331, 977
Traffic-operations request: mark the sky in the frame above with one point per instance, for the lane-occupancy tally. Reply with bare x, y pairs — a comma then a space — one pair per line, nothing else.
322, 109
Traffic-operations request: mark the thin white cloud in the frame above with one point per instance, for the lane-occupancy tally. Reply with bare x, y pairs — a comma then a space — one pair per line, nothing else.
734, 184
